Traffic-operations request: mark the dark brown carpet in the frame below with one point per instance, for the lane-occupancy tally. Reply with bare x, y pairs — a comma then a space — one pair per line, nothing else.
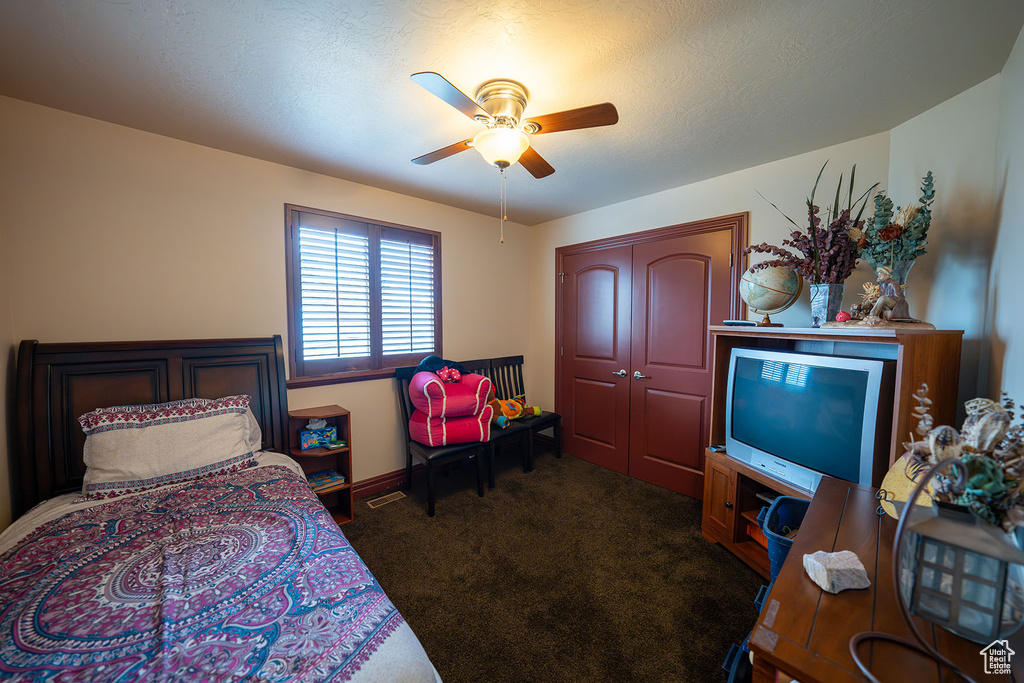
569, 573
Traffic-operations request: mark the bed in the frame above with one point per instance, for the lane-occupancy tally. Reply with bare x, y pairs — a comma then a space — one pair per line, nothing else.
234, 574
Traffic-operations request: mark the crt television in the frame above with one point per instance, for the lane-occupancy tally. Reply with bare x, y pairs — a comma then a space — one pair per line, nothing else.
798, 416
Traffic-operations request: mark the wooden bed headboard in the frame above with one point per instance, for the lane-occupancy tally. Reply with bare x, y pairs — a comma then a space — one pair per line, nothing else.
56, 383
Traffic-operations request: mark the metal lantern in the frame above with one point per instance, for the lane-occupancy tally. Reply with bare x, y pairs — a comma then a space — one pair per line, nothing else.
966, 575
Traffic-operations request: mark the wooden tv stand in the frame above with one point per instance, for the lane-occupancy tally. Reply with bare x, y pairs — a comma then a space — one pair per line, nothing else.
731, 505
731, 487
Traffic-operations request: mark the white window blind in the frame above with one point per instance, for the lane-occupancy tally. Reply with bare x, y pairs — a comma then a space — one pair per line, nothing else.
362, 297
335, 297
407, 297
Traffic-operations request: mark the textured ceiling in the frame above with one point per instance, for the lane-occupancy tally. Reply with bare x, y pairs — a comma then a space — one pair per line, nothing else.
703, 87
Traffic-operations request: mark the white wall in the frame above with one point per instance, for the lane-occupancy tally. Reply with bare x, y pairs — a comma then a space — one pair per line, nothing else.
956, 140
1006, 302
786, 183
116, 234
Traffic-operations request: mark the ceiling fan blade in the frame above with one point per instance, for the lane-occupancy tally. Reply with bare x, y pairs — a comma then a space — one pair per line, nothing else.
535, 164
444, 152
439, 86
573, 119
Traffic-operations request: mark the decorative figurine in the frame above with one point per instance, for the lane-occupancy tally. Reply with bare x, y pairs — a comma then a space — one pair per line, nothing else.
890, 304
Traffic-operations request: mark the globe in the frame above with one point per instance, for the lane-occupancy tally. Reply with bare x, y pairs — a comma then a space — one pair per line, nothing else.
771, 289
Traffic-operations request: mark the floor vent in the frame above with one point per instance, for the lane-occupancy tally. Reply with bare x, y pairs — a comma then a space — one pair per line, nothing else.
384, 500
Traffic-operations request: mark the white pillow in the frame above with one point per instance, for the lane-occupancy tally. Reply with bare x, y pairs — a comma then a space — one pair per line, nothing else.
132, 448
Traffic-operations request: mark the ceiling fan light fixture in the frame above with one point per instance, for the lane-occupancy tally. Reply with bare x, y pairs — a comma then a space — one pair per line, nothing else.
501, 146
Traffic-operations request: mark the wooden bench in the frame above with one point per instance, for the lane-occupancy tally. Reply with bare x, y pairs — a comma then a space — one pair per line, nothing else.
506, 374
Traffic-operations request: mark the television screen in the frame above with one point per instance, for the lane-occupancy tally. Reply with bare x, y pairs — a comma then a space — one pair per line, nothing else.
810, 415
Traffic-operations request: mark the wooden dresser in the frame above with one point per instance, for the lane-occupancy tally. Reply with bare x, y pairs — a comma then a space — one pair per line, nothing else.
803, 632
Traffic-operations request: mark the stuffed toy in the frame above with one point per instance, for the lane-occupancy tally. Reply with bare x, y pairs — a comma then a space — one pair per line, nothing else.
437, 398
450, 375
506, 410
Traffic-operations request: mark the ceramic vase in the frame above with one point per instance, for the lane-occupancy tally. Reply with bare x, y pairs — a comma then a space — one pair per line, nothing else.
900, 273
826, 302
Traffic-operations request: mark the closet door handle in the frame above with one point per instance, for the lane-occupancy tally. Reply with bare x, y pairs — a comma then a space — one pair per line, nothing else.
620, 373
637, 375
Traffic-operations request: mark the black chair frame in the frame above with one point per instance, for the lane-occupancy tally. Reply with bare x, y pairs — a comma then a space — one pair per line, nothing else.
434, 456
506, 374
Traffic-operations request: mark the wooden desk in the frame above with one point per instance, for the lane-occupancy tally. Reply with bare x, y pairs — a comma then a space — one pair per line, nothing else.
803, 632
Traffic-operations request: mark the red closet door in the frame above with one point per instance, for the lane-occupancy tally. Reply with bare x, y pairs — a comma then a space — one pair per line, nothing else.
595, 347
680, 286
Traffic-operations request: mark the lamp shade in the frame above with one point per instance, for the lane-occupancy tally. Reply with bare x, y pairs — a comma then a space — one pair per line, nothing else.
501, 147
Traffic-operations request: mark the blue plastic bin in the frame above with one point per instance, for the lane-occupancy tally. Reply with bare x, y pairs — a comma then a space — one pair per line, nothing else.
737, 667
786, 512
762, 597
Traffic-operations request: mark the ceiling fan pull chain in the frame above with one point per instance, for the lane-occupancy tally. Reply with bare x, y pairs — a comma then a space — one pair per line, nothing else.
502, 209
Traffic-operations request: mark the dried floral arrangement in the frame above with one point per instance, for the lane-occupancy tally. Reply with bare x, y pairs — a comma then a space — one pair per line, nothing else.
889, 238
821, 254
991, 447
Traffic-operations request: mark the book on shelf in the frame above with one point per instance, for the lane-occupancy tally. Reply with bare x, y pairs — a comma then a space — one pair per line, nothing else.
325, 480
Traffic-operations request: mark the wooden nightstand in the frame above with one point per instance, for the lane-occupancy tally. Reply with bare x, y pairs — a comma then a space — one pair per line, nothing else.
337, 499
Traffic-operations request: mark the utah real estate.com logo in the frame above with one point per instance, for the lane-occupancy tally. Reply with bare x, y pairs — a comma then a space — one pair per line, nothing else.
997, 657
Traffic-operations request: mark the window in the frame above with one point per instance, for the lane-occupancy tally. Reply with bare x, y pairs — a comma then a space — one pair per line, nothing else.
363, 296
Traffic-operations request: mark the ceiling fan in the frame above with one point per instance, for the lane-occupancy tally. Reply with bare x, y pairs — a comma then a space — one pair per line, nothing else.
499, 105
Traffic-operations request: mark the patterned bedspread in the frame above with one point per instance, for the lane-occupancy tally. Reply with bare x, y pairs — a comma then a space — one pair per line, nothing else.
236, 577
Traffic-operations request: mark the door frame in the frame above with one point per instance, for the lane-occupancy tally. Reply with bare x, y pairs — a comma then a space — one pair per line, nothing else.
736, 222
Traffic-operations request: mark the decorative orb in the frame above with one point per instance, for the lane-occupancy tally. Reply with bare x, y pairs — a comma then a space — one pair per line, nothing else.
770, 290
842, 317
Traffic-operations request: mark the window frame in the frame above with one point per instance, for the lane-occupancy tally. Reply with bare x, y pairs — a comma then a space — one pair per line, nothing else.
303, 373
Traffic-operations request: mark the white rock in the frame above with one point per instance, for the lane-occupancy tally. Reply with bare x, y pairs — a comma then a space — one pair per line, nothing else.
836, 572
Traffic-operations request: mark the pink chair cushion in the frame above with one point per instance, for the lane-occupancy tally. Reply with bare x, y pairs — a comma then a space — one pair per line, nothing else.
449, 399
440, 431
